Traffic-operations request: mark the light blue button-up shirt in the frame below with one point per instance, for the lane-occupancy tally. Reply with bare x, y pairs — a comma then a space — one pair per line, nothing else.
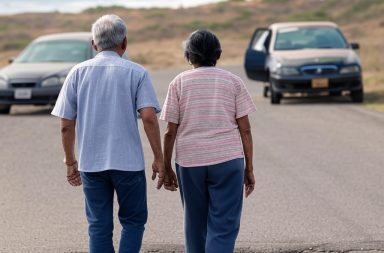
103, 95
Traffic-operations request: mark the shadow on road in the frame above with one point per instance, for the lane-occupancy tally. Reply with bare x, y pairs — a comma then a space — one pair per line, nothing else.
31, 111
316, 101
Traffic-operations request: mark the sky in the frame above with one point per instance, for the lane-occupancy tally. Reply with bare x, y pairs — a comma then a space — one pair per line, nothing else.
73, 6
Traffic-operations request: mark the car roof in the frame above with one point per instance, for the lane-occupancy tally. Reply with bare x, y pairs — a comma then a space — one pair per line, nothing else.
85, 36
277, 26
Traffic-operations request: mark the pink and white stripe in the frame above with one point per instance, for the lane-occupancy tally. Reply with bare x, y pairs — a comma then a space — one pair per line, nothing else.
205, 103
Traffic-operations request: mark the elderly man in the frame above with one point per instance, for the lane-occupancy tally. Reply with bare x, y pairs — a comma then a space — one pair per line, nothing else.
99, 101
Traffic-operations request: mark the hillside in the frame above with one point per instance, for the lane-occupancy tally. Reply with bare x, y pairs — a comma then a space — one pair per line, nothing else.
155, 35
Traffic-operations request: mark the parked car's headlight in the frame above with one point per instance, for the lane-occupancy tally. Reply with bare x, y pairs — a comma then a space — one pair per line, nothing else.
350, 69
3, 83
53, 81
288, 71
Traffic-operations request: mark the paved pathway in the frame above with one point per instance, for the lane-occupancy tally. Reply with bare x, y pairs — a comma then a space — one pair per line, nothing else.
319, 182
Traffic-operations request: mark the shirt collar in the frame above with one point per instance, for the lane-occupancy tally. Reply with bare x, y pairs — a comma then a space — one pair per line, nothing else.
107, 54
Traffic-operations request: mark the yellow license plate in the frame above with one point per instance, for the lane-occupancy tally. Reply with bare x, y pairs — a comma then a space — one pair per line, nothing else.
320, 83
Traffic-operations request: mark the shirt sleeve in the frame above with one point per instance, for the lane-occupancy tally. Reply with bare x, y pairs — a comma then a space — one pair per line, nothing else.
244, 102
171, 108
66, 103
145, 95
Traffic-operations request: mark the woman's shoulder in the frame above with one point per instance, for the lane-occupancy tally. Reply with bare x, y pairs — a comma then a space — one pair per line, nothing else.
207, 71
235, 78
226, 72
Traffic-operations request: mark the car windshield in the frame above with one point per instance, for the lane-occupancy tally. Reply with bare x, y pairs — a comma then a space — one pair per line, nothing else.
56, 51
294, 38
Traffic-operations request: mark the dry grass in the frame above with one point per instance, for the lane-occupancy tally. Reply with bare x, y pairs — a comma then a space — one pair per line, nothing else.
155, 35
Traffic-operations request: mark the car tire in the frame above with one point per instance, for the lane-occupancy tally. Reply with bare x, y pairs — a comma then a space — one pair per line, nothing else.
275, 97
265, 91
5, 109
357, 96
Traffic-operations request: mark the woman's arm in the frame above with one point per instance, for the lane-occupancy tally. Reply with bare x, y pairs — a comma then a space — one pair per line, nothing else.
170, 181
246, 138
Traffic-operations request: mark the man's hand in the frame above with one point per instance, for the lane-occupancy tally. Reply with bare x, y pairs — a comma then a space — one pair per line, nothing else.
73, 174
249, 181
158, 168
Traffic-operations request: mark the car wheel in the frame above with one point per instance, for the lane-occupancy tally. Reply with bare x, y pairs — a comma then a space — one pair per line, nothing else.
275, 97
5, 109
357, 96
265, 91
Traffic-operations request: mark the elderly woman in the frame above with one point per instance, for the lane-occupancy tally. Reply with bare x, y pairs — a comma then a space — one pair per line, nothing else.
207, 113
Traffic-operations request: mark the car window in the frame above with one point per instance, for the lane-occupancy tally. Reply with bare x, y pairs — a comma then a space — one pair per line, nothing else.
309, 37
260, 40
56, 51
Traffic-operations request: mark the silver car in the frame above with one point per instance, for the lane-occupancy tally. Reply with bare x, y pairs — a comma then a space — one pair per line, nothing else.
310, 58
37, 74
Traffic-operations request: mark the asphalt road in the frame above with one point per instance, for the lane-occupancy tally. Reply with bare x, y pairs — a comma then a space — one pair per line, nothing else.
319, 168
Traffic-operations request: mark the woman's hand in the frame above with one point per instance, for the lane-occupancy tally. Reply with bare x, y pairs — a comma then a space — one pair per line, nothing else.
249, 181
170, 180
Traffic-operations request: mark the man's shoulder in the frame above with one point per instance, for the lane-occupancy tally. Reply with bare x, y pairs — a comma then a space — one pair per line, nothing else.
83, 64
116, 62
133, 65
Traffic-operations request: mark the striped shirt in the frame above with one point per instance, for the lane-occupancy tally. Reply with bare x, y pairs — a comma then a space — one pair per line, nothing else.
205, 102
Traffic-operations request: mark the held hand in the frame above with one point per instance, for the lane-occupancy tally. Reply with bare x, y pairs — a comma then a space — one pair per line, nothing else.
158, 168
73, 174
249, 182
170, 181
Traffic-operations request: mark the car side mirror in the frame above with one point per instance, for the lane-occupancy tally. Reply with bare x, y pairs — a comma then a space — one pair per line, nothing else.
355, 46
11, 60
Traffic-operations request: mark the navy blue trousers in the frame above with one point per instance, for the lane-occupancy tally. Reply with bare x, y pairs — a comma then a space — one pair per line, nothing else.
99, 188
212, 198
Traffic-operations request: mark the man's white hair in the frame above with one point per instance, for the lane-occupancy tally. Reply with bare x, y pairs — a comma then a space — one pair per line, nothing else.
108, 32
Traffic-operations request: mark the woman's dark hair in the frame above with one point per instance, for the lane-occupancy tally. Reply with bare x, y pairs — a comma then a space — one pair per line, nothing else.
202, 48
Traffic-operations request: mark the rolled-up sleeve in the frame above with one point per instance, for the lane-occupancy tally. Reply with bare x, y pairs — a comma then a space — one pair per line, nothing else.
244, 102
171, 108
146, 96
66, 104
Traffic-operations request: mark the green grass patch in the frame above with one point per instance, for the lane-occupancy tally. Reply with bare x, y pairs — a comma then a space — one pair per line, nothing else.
199, 24
317, 15
101, 9
3, 27
221, 7
141, 59
374, 100
275, 1
244, 14
329, 4
156, 13
16, 44
359, 7
155, 27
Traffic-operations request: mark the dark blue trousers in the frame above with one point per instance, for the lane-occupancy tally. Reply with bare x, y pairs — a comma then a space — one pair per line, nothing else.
99, 188
212, 198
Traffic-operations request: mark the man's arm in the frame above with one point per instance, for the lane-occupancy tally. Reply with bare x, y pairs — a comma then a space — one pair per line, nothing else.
68, 133
246, 138
152, 130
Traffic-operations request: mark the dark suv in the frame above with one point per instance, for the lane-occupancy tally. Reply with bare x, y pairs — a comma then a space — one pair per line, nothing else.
306, 58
